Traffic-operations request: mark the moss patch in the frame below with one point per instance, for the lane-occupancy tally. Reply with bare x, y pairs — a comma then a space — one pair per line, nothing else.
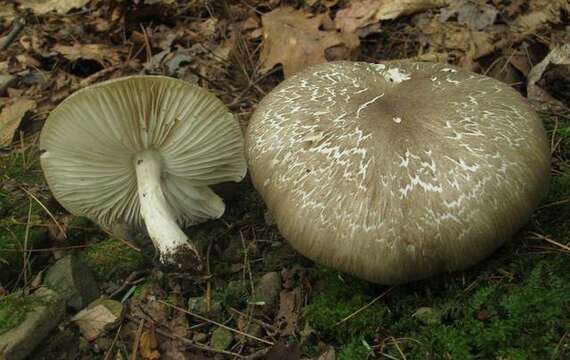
520, 316
112, 258
13, 309
23, 167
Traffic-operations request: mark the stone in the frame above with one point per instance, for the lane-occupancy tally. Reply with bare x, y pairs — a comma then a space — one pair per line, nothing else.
266, 293
44, 316
221, 339
199, 305
74, 281
98, 317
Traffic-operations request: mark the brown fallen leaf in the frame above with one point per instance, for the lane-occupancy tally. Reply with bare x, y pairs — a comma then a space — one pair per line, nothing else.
541, 12
557, 56
40, 7
99, 316
103, 54
10, 119
148, 345
295, 40
289, 308
476, 16
361, 13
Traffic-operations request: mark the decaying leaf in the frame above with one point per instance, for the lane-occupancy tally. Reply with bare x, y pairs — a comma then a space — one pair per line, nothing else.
148, 345
10, 119
361, 13
40, 7
103, 54
476, 16
295, 40
541, 12
289, 307
557, 56
100, 316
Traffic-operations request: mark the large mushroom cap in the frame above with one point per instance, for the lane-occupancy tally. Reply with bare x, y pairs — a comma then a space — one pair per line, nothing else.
95, 139
394, 172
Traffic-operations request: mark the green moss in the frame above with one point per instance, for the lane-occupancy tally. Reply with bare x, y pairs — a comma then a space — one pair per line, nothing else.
234, 294
523, 316
13, 309
23, 167
12, 243
520, 319
80, 230
338, 297
112, 258
355, 350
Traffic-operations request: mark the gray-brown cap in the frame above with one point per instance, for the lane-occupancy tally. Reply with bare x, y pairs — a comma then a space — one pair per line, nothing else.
143, 150
394, 172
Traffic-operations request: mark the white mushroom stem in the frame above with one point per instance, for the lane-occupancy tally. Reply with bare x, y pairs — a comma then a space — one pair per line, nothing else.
170, 241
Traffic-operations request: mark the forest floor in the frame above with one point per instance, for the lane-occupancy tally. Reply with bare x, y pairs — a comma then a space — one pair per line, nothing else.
260, 299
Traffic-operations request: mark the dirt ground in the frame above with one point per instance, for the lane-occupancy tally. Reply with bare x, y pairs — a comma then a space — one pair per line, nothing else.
515, 305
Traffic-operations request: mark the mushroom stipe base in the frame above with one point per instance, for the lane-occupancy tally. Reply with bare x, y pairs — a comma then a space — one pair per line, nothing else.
174, 247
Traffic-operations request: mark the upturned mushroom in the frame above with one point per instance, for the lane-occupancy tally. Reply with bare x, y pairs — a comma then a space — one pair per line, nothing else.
398, 171
143, 150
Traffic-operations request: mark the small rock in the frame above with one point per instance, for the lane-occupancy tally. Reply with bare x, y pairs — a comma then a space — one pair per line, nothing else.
221, 339
100, 316
428, 316
5, 82
250, 328
19, 342
74, 281
267, 293
200, 306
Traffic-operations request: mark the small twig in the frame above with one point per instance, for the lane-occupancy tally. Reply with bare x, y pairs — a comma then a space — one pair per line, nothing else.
47, 249
365, 306
257, 321
246, 264
108, 354
556, 203
549, 240
63, 234
124, 241
216, 323
17, 28
188, 341
132, 279
138, 335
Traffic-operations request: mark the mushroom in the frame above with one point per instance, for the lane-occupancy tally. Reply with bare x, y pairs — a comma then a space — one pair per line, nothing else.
395, 172
143, 150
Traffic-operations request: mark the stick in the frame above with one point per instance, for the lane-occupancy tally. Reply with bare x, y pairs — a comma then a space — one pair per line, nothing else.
14, 32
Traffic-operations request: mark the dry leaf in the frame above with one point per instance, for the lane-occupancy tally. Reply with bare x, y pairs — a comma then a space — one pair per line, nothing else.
148, 345
361, 13
103, 54
40, 7
289, 307
10, 119
293, 39
98, 317
475, 16
541, 12
558, 56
